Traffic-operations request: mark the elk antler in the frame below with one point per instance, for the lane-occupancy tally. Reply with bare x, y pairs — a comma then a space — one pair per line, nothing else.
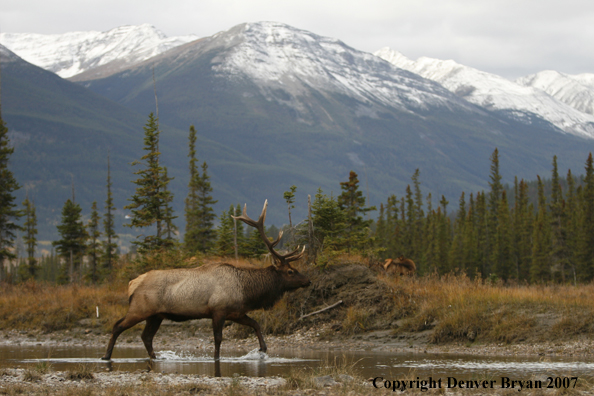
259, 225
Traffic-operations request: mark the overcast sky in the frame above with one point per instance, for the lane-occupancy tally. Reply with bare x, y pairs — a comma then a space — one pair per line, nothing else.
510, 38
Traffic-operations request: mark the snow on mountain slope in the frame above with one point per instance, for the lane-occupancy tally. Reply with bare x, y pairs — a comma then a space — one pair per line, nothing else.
280, 57
72, 53
496, 93
575, 90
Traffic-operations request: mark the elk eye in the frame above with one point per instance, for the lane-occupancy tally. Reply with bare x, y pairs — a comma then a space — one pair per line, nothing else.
290, 272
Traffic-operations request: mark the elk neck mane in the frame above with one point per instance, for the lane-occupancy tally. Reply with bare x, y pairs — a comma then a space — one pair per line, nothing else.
262, 287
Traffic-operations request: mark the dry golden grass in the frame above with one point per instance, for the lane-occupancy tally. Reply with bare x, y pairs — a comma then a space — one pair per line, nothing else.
457, 308
35, 306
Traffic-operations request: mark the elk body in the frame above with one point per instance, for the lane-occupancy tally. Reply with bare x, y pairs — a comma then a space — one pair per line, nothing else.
400, 266
216, 291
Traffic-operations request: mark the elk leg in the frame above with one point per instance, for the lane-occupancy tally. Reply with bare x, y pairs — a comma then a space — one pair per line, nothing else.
150, 329
247, 321
218, 321
120, 326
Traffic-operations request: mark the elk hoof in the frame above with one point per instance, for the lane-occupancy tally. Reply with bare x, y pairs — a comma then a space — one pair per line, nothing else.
106, 358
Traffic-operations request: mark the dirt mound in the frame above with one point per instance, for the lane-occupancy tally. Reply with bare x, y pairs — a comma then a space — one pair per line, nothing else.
355, 285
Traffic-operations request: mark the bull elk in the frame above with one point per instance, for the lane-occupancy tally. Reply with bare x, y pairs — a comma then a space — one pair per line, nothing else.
216, 291
400, 266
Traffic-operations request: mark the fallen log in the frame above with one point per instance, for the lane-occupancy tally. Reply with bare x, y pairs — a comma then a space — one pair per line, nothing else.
321, 310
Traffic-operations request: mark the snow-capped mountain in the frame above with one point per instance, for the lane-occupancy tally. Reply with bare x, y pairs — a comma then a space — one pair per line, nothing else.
496, 93
280, 57
574, 90
72, 53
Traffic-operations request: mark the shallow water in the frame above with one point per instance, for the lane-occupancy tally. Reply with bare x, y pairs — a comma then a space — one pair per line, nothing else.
280, 362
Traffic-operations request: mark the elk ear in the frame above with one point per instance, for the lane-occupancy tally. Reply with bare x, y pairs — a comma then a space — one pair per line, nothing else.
387, 263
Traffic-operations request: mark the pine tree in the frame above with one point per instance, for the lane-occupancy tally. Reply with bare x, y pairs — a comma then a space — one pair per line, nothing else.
523, 231
9, 213
72, 246
289, 197
94, 246
30, 238
352, 202
572, 227
329, 222
226, 237
586, 240
541, 245
206, 215
150, 204
559, 251
456, 256
200, 233
191, 236
502, 243
109, 245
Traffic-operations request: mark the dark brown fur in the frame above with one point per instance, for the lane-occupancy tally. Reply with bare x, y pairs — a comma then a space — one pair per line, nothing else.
400, 266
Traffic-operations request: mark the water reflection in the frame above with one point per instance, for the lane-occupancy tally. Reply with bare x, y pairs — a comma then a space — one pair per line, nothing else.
281, 362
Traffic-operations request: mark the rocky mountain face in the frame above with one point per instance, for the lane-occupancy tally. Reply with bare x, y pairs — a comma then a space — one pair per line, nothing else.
73, 53
276, 106
522, 99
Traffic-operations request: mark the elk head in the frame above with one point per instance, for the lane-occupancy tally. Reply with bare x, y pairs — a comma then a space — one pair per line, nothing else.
293, 279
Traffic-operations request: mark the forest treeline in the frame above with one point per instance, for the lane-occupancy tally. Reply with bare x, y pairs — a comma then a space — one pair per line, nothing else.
496, 234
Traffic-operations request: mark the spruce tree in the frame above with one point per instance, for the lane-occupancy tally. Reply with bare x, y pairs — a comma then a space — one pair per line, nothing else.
150, 205
200, 234
559, 251
94, 246
456, 256
352, 202
109, 245
572, 218
329, 222
191, 236
541, 240
586, 240
289, 197
9, 213
30, 239
72, 245
206, 215
502, 243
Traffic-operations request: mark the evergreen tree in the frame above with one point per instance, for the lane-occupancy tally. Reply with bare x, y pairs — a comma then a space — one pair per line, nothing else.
94, 246
150, 204
502, 243
523, 231
329, 222
289, 197
200, 233
586, 240
109, 245
30, 238
352, 202
559, 251
456, 257
226, 234
72, 246
191, 237
9, 213
206, 215
541, 245
170, 229
572, 218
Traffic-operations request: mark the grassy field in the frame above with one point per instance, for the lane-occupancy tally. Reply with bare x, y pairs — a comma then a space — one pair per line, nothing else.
453, 307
